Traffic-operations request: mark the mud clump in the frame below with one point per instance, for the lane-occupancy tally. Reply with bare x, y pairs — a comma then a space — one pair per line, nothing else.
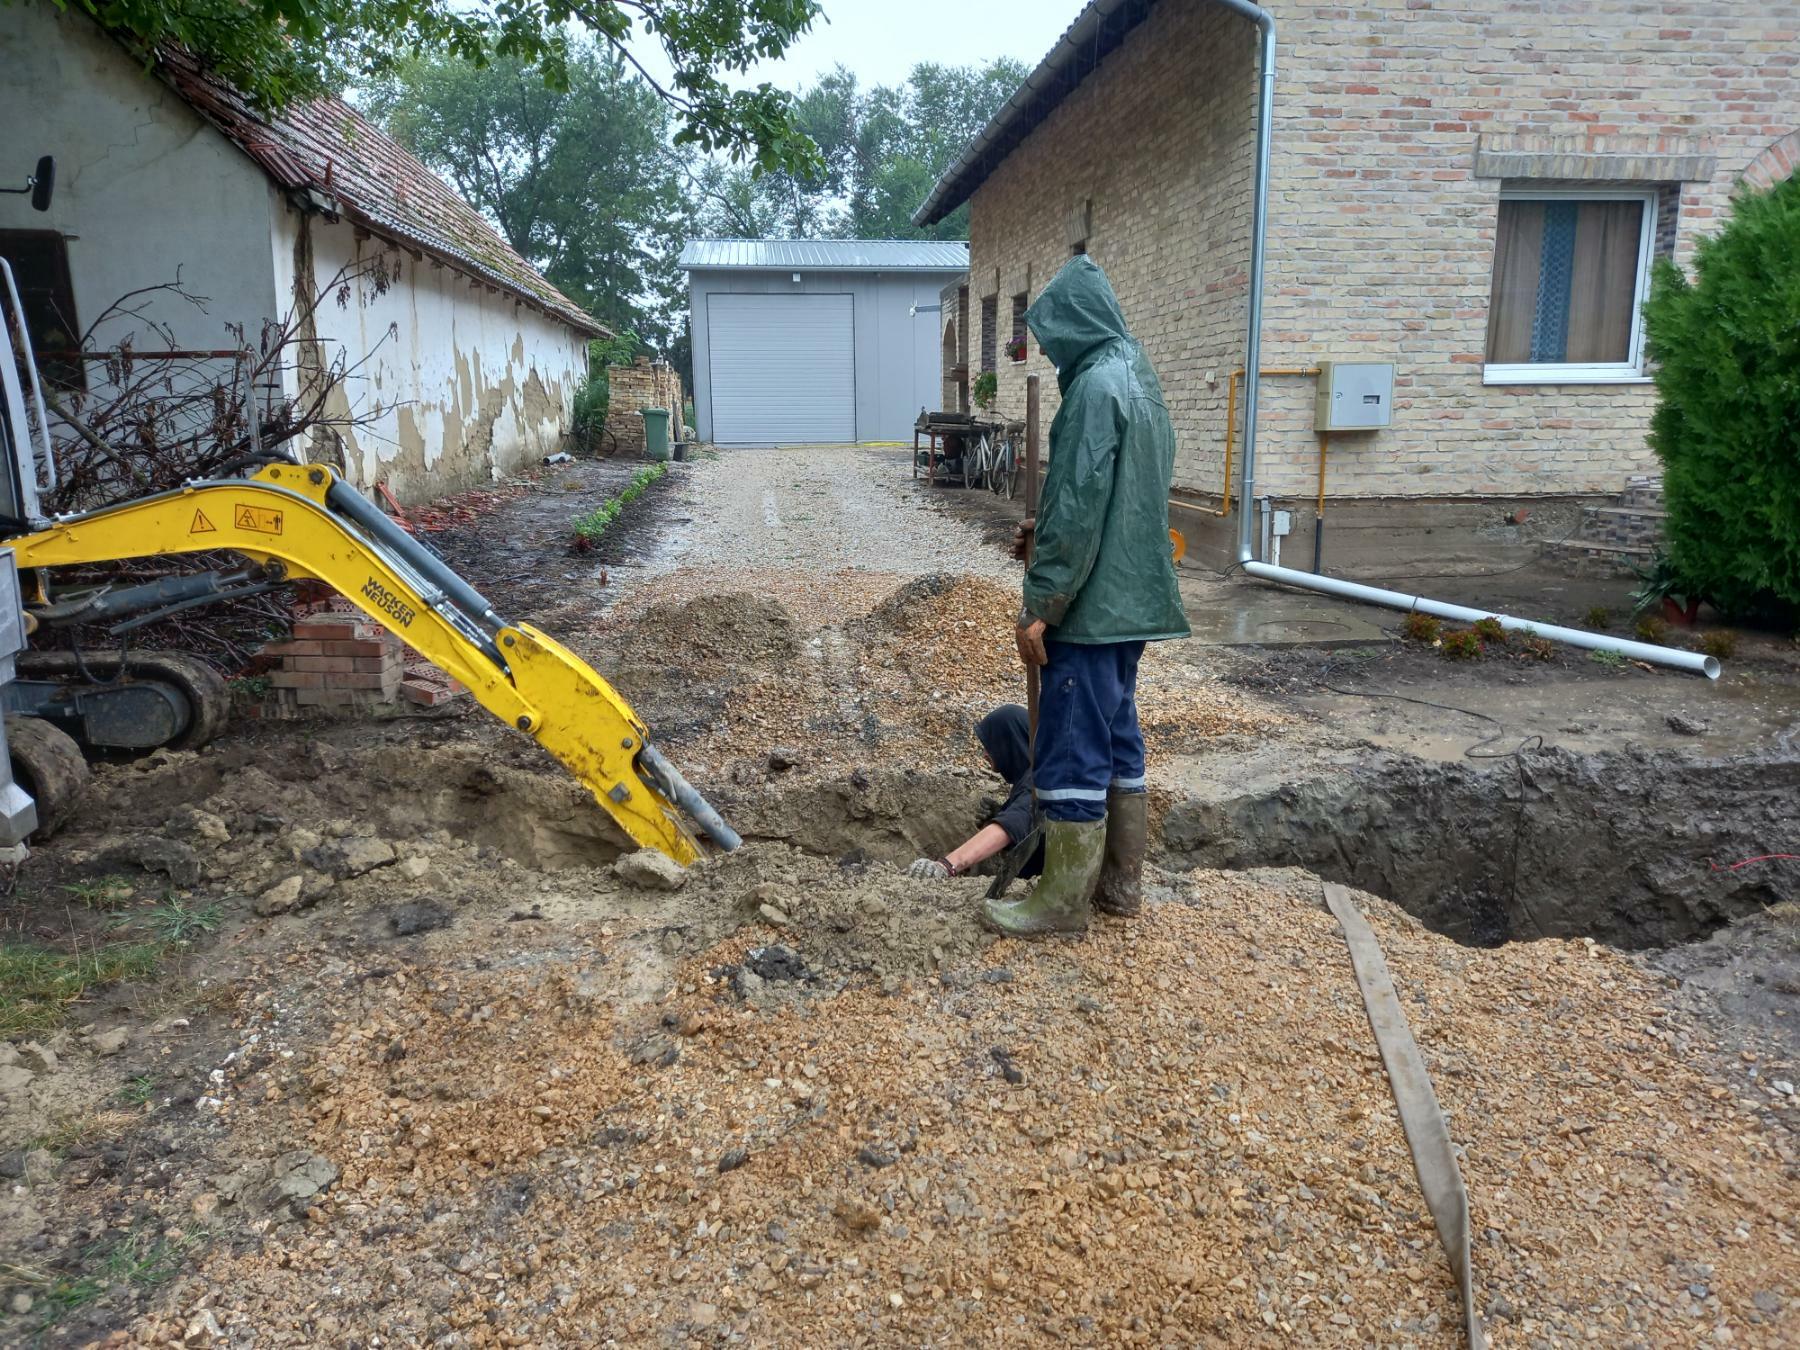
740, 628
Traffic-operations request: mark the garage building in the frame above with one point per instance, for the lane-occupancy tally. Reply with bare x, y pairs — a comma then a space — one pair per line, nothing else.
816, 341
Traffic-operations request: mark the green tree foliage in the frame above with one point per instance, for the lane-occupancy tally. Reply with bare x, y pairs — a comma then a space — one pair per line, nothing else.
881, 150
279, 50
1727, 426
581, 179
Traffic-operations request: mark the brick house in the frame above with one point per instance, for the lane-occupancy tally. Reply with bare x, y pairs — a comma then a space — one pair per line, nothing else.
1472, 190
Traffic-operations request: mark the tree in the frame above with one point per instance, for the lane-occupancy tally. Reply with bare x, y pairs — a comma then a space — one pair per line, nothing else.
580, 179
1727, 424
880, 150
275, 51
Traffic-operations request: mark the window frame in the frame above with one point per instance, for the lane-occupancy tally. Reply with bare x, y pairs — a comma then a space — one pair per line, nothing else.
1021, 333
1631, 371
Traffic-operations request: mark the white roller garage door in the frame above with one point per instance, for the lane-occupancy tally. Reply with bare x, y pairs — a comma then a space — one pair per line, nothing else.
783, 368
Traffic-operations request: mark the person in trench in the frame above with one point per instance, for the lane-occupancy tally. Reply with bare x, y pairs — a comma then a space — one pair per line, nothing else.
1005, 736
1100, 584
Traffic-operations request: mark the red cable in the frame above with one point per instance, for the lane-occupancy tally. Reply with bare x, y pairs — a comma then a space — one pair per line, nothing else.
1767, 857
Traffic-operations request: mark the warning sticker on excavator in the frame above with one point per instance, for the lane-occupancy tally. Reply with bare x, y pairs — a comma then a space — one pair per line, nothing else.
260, 519
201, 524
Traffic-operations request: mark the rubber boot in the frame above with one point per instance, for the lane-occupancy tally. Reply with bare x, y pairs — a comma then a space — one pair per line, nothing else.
1121, 890
1073, 852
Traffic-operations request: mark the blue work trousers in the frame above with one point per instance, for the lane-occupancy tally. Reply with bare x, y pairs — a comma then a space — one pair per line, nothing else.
1088, 742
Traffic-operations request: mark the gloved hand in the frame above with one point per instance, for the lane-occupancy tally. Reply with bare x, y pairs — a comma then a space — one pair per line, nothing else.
929, 869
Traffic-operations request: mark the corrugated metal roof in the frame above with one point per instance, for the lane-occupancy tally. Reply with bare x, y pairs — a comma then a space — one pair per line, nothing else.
1096, 32
826, 255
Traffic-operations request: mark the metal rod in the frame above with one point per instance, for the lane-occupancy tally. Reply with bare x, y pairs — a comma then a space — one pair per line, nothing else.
1032, 413
1319, 508
1350, 590
665, 775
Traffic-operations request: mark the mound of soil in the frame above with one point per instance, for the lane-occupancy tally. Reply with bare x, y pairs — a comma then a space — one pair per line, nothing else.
740, 628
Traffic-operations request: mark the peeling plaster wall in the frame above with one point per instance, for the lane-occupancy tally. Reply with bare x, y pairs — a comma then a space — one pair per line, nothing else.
457, 386
145, 191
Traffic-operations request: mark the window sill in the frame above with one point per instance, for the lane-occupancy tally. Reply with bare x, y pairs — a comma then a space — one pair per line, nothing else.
1503, 375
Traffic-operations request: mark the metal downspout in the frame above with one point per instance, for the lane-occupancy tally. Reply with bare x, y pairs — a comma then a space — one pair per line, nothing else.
1692, 662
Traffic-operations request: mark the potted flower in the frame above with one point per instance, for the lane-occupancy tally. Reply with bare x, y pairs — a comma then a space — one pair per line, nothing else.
1016, 349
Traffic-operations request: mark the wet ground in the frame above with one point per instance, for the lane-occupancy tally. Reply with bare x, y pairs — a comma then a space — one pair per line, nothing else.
418, 1063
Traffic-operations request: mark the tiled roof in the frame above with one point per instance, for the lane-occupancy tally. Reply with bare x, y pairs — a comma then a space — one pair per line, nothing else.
328, 148
826, 255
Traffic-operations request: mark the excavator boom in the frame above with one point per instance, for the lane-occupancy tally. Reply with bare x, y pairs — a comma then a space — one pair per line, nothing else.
301, 521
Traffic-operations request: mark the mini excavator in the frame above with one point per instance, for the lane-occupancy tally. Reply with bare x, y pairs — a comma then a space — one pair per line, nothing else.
285, 521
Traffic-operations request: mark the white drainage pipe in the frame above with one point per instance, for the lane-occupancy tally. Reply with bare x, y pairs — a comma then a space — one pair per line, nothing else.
1692, 662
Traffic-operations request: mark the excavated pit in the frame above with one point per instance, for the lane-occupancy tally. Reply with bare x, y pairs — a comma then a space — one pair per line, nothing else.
1627, 848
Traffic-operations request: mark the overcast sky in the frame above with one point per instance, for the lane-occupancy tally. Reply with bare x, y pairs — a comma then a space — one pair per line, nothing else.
881, 40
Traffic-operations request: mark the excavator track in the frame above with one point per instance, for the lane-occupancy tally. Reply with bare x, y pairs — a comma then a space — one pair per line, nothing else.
202, 689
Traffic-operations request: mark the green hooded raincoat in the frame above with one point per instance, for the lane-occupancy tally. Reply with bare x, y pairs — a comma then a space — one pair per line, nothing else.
1102, 571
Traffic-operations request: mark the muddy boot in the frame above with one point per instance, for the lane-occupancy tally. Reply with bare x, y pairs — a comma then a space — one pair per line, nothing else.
1073, 851
1121, 891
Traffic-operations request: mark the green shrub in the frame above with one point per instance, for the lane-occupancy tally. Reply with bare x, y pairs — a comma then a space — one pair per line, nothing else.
1721, 643
1727, 424
1489, 630
1651, 628
1599, 618
1537, 648
1421, 627
1462, 644
588, 413
986, 387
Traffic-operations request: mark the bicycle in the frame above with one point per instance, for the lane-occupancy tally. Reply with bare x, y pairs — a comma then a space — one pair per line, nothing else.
978, 459
1005, 471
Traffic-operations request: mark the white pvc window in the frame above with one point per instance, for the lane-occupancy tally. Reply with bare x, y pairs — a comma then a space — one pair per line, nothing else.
1571, 273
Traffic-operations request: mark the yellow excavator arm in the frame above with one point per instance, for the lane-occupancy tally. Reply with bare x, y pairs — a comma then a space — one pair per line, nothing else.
301, 521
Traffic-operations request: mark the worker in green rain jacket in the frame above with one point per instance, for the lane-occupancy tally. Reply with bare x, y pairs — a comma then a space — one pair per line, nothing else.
1100, 585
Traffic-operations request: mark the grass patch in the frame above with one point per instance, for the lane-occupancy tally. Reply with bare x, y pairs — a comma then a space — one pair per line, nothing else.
106, 893
37, 984
1599, 618
1609, 658
137, 1091
1721, 644
177, 921
595, 523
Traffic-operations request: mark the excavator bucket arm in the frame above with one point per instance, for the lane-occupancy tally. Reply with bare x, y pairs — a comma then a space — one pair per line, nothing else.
306, 523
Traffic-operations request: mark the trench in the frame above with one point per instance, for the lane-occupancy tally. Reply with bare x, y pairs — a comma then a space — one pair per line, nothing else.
1626, 848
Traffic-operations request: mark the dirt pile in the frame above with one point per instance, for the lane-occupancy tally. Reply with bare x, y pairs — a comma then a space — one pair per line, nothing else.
537, 1150
740, 628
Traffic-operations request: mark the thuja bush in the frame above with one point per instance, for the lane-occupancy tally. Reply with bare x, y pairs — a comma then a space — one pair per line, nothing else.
1727, 424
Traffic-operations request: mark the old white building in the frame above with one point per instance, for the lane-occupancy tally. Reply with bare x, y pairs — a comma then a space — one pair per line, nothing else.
467, 357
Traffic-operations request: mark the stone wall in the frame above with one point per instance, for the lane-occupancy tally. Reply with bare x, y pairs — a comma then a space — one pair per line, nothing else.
643, 384
1396, 126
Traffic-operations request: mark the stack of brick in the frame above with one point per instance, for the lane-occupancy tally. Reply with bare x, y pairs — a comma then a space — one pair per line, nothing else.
337, 661
643, 384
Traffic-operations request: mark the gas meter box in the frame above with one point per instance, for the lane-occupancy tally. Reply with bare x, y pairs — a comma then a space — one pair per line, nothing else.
1354, 396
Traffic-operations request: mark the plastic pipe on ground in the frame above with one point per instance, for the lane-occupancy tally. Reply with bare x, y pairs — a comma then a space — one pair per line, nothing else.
1351, 590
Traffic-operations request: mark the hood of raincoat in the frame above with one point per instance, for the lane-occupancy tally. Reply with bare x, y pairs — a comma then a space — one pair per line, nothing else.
1076, 313
1005, 734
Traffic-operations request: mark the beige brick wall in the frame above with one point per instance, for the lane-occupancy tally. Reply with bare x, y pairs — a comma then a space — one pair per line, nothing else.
1382, 233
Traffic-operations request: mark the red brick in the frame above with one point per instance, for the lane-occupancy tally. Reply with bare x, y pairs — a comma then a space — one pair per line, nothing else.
298, 648
297, 679
337, 629
374, 665
338, 698
424, 694
367, 647
326, 664
384, 683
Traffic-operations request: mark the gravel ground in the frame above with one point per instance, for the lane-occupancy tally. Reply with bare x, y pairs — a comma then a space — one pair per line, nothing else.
446, 1076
